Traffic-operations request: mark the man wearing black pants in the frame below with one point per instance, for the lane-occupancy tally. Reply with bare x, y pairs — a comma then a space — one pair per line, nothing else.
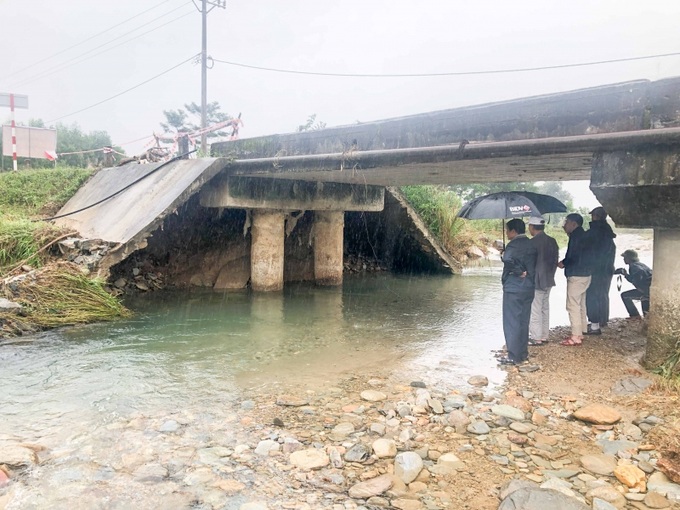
640, 275
603, 253
519, 267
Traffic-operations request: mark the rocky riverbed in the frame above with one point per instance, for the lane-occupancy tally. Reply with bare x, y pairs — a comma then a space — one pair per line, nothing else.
578, 428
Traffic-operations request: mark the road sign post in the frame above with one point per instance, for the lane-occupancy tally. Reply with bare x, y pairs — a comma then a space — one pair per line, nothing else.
13, 101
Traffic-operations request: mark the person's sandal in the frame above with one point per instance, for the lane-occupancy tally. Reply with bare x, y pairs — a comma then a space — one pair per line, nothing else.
569, 342
536, 342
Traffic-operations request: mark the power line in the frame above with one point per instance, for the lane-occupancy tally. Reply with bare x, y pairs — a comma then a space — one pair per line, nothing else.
86, 40
123, 92
70, 62
455, 73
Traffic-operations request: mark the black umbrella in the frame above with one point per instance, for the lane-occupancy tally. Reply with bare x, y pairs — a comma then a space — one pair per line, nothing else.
510, 204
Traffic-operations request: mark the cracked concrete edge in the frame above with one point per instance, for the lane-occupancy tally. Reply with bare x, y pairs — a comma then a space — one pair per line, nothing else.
121, 251
425, 236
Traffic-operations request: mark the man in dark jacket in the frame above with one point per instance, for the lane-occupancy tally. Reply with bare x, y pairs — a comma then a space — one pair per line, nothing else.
640, 275
603, 253
546, 265
519, 266
577, 269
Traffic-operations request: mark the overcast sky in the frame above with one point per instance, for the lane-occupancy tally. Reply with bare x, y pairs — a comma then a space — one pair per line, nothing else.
350, 36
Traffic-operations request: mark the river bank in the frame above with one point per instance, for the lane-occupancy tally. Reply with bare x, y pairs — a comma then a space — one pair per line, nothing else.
377, 438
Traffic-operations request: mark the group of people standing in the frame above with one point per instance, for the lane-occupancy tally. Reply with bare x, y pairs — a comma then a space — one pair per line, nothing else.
529, 267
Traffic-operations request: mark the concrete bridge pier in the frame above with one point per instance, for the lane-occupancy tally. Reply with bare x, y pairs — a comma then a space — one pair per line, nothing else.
271, 199
640, 187
267, 249
328, 247
664, 321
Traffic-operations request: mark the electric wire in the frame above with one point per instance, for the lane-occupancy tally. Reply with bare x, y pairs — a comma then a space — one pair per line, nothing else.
123, 92
452, 73
120, 190
69, 63
85, 40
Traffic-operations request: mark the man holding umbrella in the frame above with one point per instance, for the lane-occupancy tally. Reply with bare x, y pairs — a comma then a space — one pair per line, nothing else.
519, 266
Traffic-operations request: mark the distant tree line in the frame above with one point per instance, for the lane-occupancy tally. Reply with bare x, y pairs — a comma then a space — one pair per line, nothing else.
70, 138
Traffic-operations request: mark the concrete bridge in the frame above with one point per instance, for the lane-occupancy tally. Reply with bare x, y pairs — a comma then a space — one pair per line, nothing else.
624, 137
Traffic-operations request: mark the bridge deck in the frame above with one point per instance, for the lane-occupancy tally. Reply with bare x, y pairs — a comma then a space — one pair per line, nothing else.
556, 158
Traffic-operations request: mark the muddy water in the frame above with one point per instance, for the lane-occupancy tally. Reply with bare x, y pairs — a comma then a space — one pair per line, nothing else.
105, 400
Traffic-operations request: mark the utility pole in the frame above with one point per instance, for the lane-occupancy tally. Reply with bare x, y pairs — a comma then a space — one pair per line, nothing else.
204, 64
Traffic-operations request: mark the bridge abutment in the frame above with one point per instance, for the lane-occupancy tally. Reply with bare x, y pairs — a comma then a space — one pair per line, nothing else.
641, 188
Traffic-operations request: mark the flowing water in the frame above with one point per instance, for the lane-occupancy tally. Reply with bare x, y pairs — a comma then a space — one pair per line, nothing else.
102, 398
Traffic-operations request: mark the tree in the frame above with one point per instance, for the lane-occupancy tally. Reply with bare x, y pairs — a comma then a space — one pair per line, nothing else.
188, 119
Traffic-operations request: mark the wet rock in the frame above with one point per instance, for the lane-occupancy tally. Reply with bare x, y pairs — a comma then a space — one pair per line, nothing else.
370, 488
614, 447
608, 494
341, 431
522, 428
631, 386
447, 464
358, 453
514, 485
150, 473
479, 428
660, 483
384, 448
478, 380
263, 447
458, 419
656, 500
436, 406
373, 395
309, 459
598, 414
418, 384
509, 412
600, 464
291, 401
540, 499
631, 476
407, 466
601, 504
17, 456
561, 486
169, 426
9, 306
407, 504
520, 403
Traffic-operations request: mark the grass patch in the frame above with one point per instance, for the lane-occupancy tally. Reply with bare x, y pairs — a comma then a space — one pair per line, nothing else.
21, 242
29, 193
61, 295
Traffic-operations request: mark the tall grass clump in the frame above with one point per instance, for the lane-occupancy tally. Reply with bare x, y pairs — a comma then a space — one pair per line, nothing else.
21, 242
61, 295
437, 206
32, 192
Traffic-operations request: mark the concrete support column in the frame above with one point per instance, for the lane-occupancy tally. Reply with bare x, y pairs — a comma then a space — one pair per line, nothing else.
664, 314
266, 254
328, 247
